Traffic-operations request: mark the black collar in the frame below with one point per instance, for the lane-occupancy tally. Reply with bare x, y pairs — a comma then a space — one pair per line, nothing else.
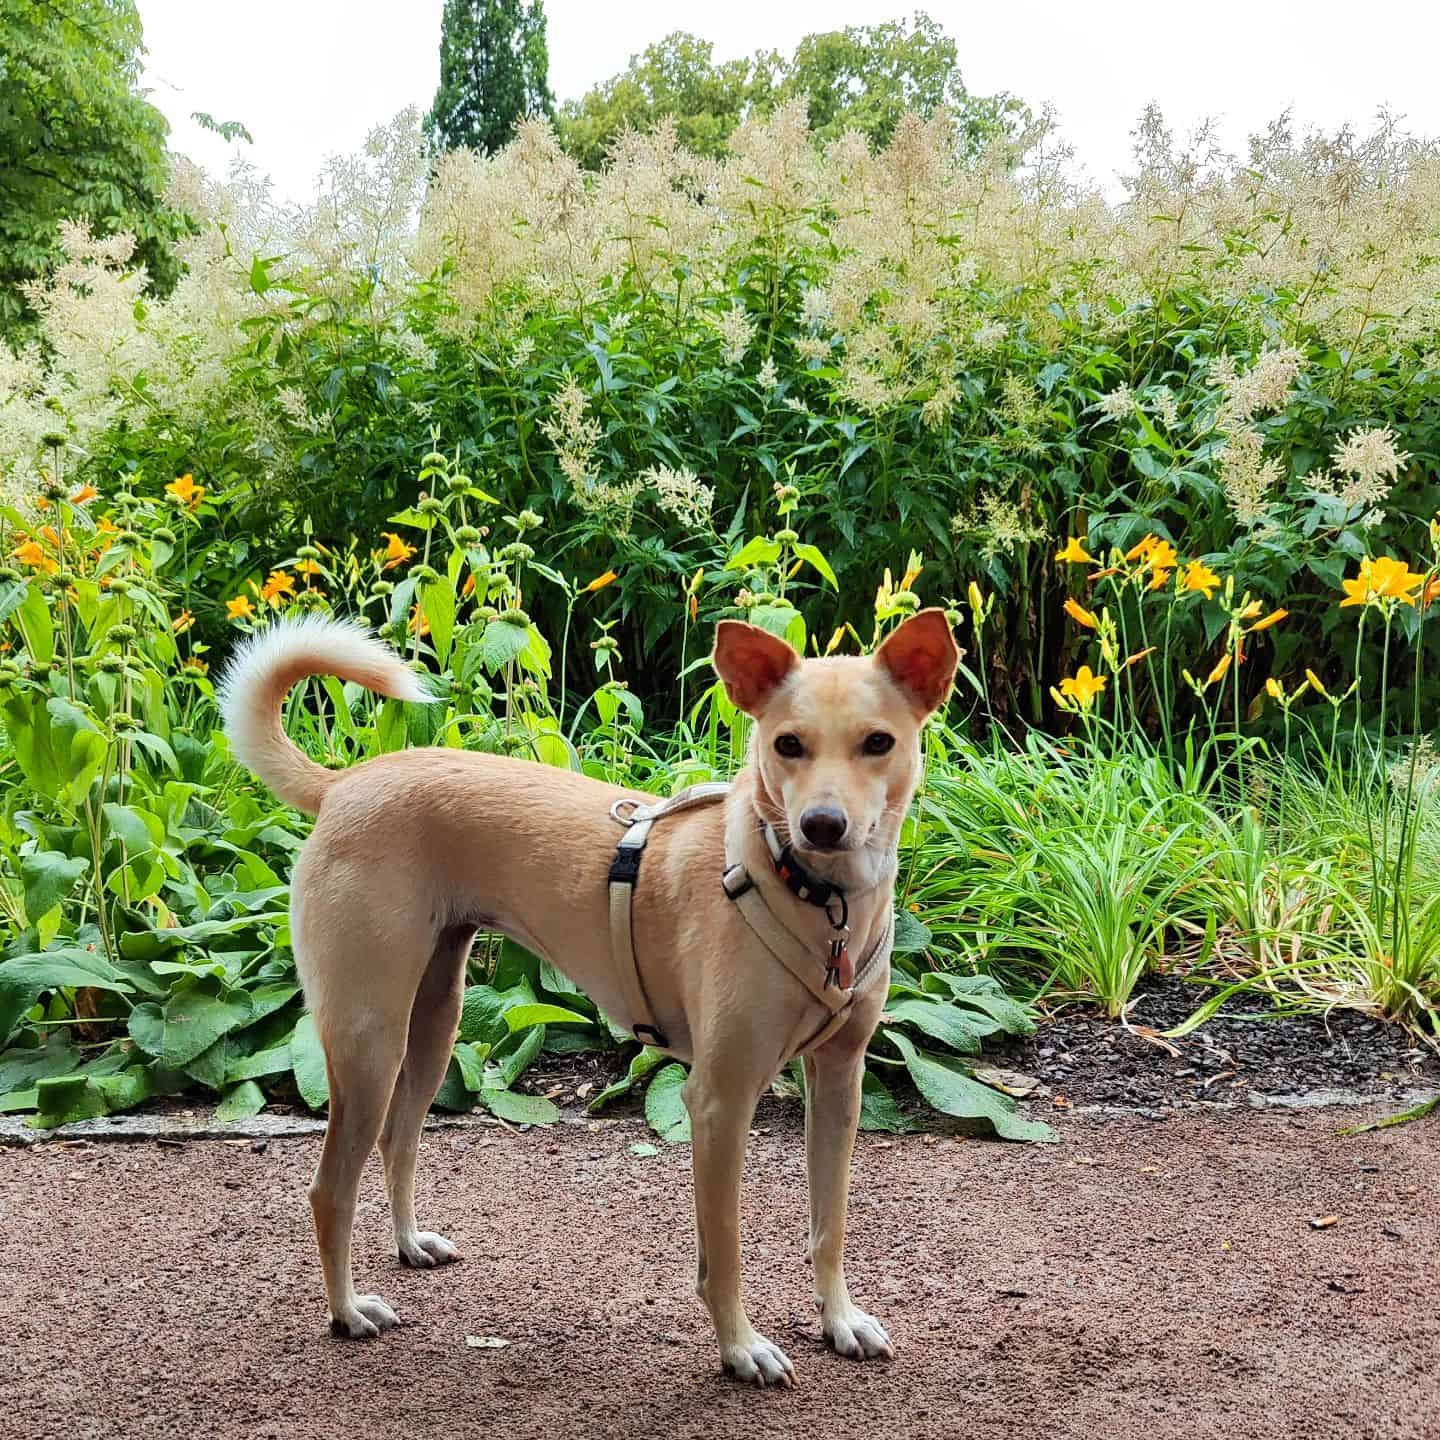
802, 884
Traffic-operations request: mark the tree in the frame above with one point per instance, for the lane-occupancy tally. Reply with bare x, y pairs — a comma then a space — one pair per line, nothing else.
494, 70
864, 78
77, 139
676, 76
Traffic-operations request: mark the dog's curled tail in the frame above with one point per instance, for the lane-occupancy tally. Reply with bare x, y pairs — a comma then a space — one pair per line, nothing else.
262, 672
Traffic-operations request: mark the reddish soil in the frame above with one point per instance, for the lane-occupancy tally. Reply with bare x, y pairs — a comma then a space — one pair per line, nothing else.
1141, 1278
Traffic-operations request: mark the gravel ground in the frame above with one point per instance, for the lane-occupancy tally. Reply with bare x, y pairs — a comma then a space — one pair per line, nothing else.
1141, 1278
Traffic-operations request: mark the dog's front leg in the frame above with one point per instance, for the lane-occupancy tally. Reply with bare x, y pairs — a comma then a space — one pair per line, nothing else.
833, 1076
720, 1115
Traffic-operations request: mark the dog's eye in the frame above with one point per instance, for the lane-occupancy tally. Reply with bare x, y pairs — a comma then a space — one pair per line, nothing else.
789, 746
877, 742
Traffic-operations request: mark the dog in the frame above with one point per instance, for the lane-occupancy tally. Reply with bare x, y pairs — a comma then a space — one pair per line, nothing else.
414, 852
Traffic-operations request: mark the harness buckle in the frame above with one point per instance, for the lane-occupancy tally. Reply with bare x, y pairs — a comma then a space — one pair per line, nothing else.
625, 867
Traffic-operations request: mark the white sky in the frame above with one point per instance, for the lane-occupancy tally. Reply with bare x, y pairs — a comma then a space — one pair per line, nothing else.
310, 77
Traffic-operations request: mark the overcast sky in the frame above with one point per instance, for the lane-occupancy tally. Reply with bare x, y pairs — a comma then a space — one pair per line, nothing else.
310, 77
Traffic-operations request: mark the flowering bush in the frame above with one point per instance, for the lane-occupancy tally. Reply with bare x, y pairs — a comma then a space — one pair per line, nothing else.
982, 358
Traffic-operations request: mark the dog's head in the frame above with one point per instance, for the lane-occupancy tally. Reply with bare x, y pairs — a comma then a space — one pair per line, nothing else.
837, 741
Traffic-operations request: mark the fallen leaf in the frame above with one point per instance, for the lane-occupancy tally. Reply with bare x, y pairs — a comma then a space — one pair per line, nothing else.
485, 1342
1008, 1082
1324, 1222
643, 1149
1061, 1103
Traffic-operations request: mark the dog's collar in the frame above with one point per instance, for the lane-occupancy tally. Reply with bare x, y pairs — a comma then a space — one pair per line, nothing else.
801, 883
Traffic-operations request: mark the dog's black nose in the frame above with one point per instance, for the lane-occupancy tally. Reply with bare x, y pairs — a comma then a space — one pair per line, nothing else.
822, 827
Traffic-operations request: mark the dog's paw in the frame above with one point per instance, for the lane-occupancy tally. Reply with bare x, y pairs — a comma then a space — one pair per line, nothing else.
758, 1361
851, 1332
364, 1320
424, 1250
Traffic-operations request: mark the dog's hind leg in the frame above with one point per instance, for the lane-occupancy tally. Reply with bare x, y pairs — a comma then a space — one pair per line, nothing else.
433, 1022
363, 1031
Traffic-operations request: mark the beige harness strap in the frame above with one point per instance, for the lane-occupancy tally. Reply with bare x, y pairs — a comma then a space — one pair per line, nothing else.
624, 873
794, 954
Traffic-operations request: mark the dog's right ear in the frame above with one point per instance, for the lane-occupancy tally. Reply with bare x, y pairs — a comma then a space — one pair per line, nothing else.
752, 662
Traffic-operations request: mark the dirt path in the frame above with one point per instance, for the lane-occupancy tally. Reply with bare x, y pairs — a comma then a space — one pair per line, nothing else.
1139, 1279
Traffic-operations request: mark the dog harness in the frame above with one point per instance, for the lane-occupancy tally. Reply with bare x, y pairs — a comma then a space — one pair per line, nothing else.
826, 982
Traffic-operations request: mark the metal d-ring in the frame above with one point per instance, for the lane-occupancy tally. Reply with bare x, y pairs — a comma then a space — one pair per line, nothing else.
630, 804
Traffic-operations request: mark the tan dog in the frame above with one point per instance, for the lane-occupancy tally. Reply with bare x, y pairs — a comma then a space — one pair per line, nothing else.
414, 852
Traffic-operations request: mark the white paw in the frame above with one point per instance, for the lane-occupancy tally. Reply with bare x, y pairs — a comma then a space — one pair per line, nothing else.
757, 1361
366, 1317
851, 1332
423, 1250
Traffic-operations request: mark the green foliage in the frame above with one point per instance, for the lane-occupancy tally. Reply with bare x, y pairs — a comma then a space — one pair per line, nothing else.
866, 77
142, 874
861, 79
78, 141
494, 71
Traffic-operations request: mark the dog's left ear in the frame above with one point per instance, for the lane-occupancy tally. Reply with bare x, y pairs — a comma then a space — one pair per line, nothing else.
752, 662
920, 656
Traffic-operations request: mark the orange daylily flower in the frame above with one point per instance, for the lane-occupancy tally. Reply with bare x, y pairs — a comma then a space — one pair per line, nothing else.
397, 552
468, 588
1143, 549
1273, 618
1083, 686
32, 555
1383, 578
601, 581
307, 567
913, 567
694, 608
1162, 556
419, 625
1159, 579
1138, 656
186, 491
277, 588
1199, 578
1221, 667
1079, 614
239, 608
1074, 553
84, 495
182, 622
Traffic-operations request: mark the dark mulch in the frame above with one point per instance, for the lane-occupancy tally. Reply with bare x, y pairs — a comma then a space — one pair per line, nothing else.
1244, 1051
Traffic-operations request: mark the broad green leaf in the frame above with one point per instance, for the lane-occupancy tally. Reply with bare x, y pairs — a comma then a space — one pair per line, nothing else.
22, 1066
811, 554
197, 1014
953, 1092
502, 642
245, 1100
437, 601
516, 1055
482, 1011
938, 1019
48, 877
274, 1061
758, 551
665, 1106
522, 1017
519, 1109
307, 1059
67, 1099
911, 936
983, 993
